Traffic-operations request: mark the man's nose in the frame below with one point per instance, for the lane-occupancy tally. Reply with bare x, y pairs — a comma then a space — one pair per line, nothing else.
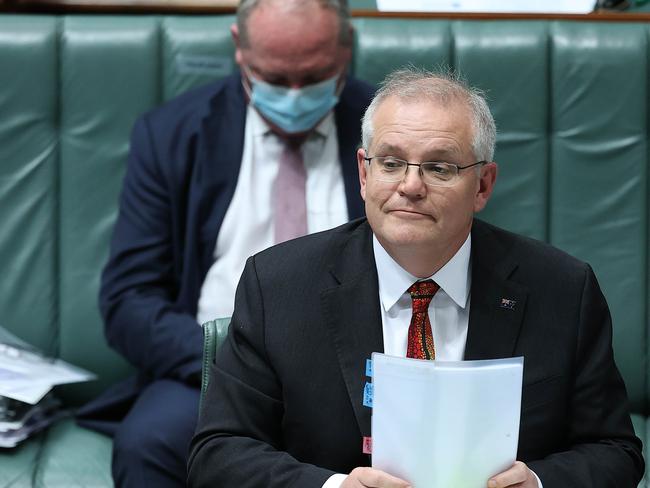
412, 184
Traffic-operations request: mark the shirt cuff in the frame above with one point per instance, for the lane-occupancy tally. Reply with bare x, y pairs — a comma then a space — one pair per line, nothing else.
336, 480
539, 482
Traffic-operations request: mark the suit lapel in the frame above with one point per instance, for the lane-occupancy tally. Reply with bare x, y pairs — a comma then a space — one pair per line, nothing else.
351, 313
221, 146
497, 303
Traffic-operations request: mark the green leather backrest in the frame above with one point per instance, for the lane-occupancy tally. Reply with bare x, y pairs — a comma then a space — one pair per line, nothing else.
570, 100
28, 179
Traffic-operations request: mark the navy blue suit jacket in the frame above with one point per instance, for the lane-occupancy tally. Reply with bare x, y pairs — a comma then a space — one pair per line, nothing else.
182, 172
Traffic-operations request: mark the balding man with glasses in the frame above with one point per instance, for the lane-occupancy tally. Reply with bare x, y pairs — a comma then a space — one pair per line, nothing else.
420, 277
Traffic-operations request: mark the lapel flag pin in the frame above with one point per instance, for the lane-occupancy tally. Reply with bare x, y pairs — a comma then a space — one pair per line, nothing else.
508, 304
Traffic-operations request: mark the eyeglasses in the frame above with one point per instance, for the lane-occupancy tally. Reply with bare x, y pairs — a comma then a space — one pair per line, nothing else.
434, 173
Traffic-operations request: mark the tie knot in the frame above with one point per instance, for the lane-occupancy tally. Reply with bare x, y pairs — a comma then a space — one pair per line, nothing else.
421, 294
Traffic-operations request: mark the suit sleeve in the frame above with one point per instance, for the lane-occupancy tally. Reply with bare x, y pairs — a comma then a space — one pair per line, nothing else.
603, 451
139, 283
238, 441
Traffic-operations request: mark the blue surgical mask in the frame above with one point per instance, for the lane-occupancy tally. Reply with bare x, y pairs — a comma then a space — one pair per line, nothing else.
294, 110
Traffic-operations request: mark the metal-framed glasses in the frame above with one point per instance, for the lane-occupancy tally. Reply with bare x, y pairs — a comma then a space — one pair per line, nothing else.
434, 173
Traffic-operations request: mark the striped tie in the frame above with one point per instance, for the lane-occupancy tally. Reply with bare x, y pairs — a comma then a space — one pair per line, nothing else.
289, 195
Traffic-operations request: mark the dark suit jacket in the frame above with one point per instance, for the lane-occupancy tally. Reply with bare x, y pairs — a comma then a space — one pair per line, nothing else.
284, 403
182, 172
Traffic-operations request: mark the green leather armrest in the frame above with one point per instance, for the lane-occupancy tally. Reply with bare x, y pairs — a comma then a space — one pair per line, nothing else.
214, 332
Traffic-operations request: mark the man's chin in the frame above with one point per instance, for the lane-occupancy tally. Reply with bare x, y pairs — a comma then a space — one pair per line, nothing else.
409, 236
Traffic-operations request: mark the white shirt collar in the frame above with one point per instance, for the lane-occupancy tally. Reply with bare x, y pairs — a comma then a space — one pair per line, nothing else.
453, 278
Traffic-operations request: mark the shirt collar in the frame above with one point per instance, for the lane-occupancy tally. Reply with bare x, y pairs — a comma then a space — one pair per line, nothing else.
261, 128
453, 278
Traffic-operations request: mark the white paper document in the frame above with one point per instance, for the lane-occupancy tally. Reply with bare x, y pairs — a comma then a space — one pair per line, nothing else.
444, 424
490, 6
27, 376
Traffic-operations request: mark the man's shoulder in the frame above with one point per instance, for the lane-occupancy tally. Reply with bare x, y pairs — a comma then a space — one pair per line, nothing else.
356, 95
185, 112
525, 251
314, 250
357, 89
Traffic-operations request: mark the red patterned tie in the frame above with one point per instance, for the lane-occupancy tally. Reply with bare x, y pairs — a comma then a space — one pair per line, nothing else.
420, 342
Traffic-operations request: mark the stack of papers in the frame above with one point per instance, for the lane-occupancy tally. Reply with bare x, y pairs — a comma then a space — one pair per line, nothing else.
19, 420
26, 379
449, 424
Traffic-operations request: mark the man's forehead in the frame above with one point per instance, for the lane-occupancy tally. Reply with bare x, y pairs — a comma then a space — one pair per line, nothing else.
439, 127
279, 22
416, 102
395, 109
276, 68
301, 46
437, 149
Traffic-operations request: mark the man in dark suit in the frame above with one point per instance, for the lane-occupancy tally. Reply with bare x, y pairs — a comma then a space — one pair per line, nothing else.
422, 278
206, 187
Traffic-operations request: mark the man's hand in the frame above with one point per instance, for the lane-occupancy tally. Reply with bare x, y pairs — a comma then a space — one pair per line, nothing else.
372, 478
518, 475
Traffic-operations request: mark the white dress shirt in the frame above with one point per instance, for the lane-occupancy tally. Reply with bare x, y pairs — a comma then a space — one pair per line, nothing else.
249, 221
448, 310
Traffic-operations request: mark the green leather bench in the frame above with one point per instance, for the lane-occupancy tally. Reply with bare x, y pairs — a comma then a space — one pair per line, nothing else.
570, 99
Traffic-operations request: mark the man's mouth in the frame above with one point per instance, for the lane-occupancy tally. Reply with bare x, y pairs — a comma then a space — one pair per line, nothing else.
405, 213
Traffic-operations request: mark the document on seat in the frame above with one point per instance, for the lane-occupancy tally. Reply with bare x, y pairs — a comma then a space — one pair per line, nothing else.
28, 376
445, 424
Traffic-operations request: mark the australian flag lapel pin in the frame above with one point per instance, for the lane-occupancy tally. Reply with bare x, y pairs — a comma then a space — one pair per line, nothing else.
508, 304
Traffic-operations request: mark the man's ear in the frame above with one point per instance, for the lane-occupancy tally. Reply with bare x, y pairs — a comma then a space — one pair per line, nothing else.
234, 32
363, 174
487, 179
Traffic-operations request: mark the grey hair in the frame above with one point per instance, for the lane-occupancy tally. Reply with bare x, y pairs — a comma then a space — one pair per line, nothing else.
246, 7
444, 87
